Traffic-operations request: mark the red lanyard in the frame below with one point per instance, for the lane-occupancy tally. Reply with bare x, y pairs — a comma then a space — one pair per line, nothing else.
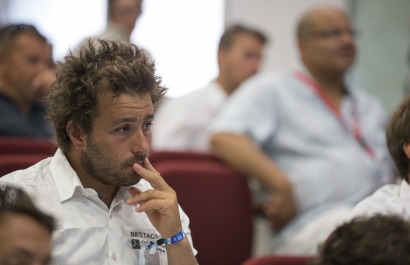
336, 112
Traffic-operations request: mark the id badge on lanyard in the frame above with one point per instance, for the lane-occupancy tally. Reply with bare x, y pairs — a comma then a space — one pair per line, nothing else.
336, 112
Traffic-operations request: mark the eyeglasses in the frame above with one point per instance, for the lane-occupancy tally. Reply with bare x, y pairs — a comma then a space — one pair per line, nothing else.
334, 33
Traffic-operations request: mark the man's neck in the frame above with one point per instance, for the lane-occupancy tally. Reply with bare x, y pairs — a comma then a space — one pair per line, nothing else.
105, 192
226, 84
331, 83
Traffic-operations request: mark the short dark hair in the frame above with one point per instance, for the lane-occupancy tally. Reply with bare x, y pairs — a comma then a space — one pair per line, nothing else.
377, 240
397, 135
102, 66
9, 33
14, 200
231, 32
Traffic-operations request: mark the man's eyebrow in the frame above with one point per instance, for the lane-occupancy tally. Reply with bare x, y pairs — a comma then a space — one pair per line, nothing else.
126, 119
133, 119
149, 117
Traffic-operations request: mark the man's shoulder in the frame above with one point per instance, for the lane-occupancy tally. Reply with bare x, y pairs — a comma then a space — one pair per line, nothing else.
199, 93
8, 108
273, 76
30, 177
385, 200
193, 99
365, 98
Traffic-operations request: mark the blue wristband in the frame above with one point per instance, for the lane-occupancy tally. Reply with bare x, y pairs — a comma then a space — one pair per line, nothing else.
172, 240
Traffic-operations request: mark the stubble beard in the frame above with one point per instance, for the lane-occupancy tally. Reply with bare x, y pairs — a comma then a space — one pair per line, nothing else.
106, 169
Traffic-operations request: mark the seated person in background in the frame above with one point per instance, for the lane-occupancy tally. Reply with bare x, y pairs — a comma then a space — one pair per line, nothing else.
393, 198
111, 205
311, 138
181, 124
379, 240
122, 17
26, 76
25, 231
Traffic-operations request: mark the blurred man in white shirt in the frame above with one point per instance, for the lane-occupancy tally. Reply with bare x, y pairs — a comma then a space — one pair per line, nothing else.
181, 124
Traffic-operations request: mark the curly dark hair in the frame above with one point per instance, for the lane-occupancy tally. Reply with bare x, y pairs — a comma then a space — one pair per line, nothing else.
377, 240
102, 66
227, 38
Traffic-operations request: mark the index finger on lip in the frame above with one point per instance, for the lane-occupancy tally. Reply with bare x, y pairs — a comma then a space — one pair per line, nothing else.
151, 175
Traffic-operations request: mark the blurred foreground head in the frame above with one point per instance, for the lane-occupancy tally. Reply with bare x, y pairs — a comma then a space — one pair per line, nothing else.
378, 240
25, 231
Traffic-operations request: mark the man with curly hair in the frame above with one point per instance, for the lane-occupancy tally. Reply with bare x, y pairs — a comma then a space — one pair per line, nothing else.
112, 206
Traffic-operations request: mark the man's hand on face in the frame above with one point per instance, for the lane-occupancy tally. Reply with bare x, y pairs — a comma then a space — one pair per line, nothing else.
160, 204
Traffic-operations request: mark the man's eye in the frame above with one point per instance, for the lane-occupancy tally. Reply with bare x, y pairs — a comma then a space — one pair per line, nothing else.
146, 126
125, 128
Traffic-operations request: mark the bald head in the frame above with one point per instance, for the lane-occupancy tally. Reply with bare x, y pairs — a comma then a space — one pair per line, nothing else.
311, 18
326, 41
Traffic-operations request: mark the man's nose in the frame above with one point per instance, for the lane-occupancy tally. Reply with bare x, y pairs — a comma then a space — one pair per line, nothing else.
140, 142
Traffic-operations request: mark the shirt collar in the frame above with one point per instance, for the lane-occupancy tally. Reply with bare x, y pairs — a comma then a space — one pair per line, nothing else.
218, 88
347, 79
64, 176
67, 180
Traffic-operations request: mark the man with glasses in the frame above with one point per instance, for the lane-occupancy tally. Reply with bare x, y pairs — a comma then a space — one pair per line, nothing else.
26, 76
316, 142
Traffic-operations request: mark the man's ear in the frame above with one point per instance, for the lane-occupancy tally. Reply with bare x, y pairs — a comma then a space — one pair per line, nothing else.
221, 55
406, 149
77, 136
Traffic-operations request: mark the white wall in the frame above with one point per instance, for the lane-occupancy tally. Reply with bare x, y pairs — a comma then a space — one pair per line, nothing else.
182, 35
384, 42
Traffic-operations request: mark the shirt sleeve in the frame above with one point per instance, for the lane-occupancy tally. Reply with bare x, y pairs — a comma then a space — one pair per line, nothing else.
250, 110
186, 229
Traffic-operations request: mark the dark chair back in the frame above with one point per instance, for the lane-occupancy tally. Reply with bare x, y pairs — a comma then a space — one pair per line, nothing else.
217, 201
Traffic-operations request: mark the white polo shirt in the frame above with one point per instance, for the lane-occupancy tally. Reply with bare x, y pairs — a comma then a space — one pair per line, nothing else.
87, 231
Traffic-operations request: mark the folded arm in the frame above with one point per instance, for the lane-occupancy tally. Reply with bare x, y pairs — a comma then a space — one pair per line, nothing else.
244, 155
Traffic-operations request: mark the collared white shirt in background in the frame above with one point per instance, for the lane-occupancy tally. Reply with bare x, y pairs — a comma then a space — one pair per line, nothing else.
181, 124
87, 231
